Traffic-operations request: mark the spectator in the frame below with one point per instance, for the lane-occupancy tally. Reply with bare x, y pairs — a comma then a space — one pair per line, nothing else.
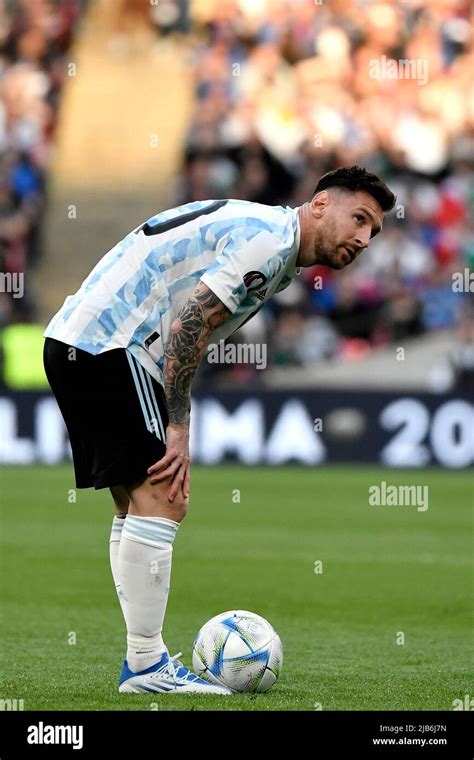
289, 89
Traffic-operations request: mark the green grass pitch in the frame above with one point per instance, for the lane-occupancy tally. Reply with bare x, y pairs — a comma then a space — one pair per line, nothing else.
388, 573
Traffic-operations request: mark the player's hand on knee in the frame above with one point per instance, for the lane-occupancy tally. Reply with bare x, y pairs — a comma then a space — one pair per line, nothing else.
175, 464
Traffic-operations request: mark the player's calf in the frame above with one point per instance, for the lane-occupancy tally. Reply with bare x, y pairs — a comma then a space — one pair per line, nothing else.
121, 500
144, 569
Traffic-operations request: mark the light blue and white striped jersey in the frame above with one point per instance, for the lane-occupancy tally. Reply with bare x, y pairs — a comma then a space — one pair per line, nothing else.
243, 251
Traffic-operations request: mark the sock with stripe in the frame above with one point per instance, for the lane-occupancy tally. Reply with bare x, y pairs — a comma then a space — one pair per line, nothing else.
144, 569
114, 543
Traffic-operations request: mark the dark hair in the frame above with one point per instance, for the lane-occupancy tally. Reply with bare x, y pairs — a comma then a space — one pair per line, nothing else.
355, 178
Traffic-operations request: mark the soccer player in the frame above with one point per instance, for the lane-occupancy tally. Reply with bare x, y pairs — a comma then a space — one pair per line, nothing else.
121, 353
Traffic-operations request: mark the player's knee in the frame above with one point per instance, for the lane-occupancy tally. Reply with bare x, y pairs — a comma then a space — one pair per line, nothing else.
174, 510
180, 508
152, 501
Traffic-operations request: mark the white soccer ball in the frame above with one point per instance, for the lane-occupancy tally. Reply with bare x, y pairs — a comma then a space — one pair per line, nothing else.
240, 650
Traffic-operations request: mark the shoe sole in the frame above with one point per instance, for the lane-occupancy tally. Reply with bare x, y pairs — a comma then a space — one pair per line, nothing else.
127, 688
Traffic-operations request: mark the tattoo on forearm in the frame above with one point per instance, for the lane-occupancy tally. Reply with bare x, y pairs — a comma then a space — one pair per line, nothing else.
190, 331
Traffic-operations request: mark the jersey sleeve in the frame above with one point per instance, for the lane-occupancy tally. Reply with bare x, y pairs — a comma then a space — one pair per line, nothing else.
244, 262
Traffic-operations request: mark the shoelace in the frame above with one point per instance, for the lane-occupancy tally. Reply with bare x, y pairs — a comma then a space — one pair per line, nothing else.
172, 667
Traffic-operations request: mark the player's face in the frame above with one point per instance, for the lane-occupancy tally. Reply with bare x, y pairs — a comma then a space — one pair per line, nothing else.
343, 225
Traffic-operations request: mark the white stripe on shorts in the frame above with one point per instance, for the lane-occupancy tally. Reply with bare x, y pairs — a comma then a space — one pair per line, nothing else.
155, 417
141, 398
156, 406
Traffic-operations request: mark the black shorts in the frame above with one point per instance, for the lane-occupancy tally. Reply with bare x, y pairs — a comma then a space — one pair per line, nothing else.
114, 411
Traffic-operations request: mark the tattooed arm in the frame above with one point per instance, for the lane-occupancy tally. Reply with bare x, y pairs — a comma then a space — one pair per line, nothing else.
202, 313
190, 331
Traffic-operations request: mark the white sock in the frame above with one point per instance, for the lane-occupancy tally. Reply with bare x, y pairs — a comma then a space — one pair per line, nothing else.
144, 568
114, 543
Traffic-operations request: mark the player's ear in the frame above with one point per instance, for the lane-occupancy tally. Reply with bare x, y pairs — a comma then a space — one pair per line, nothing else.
319, 203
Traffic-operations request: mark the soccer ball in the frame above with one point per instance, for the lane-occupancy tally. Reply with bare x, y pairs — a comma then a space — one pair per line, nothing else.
240, 650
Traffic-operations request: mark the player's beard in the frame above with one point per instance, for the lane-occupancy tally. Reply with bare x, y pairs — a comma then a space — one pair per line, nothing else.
327, 253
332, 259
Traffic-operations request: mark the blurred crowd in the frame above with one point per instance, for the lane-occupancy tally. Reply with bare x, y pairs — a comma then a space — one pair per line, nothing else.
289, 89
285, 90
35, 36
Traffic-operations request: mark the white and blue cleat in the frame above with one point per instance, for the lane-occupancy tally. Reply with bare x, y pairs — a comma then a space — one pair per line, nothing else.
167, 676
